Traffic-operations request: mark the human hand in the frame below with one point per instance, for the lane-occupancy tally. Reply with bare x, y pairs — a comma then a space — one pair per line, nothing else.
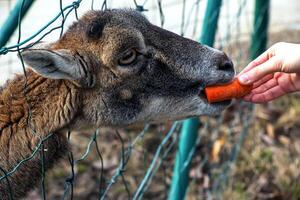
274, 73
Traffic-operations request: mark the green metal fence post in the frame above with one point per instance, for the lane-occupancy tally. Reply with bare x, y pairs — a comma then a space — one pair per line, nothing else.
189, 132
11, 23
210, 22
260, 28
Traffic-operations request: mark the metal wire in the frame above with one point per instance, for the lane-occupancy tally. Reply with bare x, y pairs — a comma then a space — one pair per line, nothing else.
164, 148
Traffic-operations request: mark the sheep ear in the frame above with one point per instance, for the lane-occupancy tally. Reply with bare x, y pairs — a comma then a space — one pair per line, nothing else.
53, 64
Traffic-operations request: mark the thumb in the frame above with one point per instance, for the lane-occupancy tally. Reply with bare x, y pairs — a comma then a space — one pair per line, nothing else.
270, 66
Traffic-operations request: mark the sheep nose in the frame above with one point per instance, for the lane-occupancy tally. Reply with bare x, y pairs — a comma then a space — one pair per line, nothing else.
225, 64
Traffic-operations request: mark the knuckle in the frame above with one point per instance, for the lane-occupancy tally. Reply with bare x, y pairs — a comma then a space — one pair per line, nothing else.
254, 63
264, 97
279, 44
278, 65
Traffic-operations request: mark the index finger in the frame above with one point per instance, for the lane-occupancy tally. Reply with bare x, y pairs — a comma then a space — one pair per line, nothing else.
257, 61
271, 66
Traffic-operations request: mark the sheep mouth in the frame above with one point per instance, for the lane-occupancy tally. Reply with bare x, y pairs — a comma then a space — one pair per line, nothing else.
199, 90
203, 97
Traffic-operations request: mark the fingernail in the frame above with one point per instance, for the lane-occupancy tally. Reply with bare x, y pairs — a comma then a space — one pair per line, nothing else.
244, 79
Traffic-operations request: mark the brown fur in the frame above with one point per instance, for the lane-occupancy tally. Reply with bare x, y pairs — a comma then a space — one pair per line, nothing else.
26, 117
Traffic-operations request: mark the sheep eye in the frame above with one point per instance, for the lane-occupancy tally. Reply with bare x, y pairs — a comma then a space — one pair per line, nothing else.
94, 30
128, 57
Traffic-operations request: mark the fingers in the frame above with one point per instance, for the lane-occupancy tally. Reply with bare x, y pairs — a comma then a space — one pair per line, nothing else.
265, 86
270, 66
259, 60
271, 75
266, 96
263, 80
261, 86
280, 84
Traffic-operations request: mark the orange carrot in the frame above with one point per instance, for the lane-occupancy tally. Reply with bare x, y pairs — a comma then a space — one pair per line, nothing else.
227, 91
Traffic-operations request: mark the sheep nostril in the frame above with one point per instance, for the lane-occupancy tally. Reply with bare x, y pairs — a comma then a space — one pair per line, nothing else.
226, 66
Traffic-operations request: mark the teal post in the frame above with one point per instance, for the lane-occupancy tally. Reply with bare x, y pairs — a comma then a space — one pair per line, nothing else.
189, 132
210, 22
260, 28
11, 23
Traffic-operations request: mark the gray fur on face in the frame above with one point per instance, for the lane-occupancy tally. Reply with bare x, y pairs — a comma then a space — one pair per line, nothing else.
164, 81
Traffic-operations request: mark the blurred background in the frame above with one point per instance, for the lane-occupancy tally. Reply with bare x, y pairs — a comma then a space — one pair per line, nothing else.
249, 152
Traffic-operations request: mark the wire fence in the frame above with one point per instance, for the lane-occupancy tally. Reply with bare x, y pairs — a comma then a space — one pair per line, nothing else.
117, 174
